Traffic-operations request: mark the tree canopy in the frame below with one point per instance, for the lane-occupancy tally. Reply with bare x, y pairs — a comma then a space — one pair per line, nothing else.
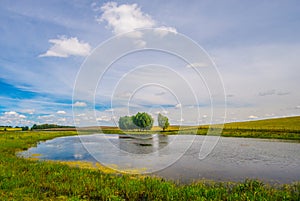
163, 121
142, 121
126, 123
46, 126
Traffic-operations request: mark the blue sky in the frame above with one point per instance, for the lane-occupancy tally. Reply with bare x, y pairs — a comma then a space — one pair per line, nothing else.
254, 44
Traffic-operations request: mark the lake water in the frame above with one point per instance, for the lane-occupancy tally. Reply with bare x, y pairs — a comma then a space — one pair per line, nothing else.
177, 156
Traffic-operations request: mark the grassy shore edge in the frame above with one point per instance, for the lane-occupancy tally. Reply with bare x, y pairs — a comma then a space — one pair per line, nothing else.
22, 179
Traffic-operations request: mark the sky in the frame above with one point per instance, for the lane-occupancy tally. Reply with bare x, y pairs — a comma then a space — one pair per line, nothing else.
252, 48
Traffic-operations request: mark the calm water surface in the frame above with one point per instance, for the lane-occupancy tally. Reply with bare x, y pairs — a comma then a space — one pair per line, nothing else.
233, 159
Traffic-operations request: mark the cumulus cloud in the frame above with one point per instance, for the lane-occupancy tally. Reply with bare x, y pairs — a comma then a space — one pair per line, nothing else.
13, 118
21, 116
178, 106
252, 117
129, 17
79, 104
11, 113
65, 47
60, 112
125, 17
163, 30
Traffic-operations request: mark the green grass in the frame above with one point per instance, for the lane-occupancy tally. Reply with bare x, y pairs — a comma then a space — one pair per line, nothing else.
287, 123
22, 179
280, 128
10, 129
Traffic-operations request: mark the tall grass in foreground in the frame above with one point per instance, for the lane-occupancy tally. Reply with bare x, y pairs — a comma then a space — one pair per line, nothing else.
22, 179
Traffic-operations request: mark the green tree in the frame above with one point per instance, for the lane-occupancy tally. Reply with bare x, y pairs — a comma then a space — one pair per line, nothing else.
25, 128
163, 121
34, 127
143, 121
126, 123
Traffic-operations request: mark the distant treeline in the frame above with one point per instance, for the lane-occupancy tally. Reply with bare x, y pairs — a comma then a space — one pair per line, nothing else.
46, 126
23, 128
5, 126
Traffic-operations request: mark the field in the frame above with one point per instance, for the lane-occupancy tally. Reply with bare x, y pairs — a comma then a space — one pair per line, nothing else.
278, 128
10, 129
22, 179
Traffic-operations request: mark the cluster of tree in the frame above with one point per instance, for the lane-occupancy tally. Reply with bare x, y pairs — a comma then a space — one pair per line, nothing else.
141, 121
163, 121
46, 126
24, 128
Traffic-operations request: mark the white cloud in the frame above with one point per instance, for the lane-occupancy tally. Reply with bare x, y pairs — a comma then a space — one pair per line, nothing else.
104, 118
140, 43
65, 47
11, 113
125, 17
61, 112
163, 30
298, 107
252, 117
129, 17
50, 116
162, 112
13, 118
28, 111
178, 106
21, 116
79, 104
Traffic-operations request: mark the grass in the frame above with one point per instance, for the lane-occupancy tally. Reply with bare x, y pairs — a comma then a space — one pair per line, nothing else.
22, 179
280, 128
10, 129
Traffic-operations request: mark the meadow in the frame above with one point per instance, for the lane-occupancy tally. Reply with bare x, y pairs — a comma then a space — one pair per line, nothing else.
278, 128
23, 179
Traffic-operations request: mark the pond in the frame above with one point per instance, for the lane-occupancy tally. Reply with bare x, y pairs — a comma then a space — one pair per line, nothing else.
176, 157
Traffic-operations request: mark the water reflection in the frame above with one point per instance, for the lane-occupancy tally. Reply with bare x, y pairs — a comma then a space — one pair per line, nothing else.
232, 159
141, 144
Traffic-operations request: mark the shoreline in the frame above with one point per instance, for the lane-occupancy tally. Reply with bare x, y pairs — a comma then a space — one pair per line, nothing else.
35, 180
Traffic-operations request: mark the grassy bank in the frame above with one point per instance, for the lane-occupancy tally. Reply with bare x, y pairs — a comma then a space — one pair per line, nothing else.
22, 179
280, 128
